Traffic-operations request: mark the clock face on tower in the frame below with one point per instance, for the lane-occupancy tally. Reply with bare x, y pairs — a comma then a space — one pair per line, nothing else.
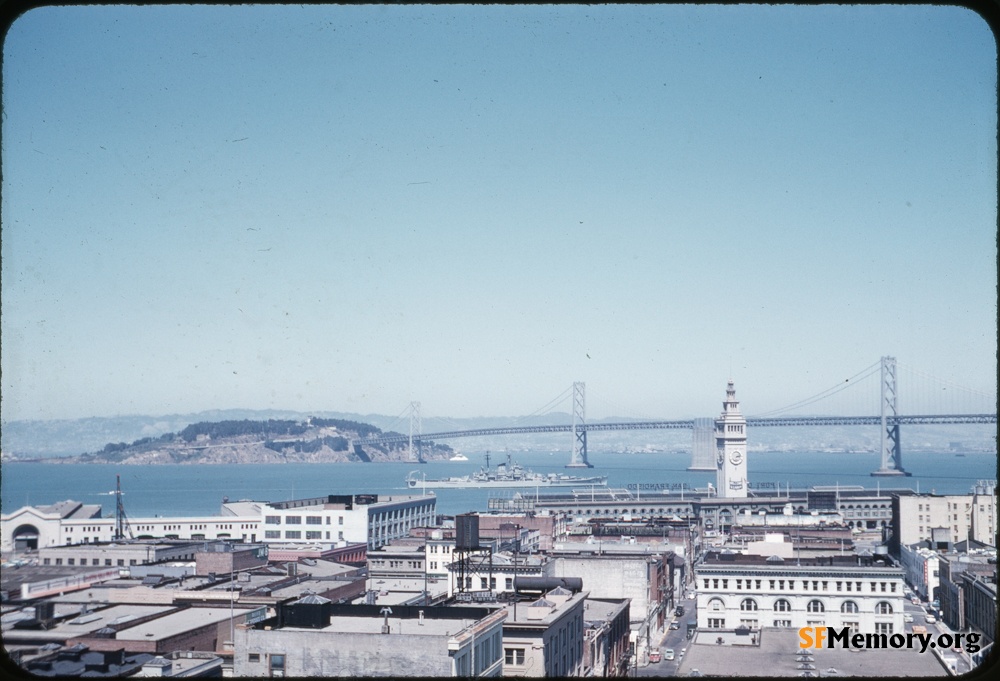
736, 457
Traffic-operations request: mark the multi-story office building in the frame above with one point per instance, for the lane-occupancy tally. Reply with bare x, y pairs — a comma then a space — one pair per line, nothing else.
636, 572
958, 517
545, 637
314, 637
755, 592
374, 518
967, 592
921, 566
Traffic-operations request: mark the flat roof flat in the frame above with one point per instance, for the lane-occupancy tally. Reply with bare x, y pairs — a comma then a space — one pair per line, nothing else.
178, 623
410, 627
778, 655
89, 623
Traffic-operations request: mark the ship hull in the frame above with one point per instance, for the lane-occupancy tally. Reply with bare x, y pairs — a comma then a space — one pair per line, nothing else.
461, 483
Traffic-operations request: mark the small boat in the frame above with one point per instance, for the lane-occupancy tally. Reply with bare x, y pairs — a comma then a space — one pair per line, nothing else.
459, 457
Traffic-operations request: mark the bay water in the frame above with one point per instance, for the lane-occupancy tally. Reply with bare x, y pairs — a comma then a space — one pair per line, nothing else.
189, 490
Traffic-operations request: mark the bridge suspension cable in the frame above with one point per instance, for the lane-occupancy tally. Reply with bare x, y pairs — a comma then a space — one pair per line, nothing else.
547, 407
926, 393
867, 372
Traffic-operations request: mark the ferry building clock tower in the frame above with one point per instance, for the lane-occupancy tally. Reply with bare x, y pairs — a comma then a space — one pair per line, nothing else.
731, 448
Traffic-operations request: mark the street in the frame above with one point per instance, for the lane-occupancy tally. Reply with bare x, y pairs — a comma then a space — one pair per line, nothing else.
674, 639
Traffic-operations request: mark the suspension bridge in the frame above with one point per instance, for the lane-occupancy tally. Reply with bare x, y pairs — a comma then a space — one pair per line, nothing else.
888, 419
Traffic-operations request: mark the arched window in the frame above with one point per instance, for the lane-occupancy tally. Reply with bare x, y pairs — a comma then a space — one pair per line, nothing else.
716, 605
883, 608
815, 606
748, 604
849, 607
781, 605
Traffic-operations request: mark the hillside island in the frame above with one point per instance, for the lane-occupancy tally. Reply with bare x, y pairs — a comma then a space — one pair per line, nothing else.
314, 440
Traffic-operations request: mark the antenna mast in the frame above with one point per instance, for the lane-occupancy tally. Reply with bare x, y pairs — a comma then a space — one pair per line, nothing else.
121, 521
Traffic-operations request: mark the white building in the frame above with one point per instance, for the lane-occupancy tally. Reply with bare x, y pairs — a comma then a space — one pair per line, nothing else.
959, 516
373, 518
742, 591
331, 520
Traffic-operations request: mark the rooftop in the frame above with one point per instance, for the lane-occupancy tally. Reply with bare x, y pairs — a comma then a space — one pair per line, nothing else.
397, 625
779, 655
177, 623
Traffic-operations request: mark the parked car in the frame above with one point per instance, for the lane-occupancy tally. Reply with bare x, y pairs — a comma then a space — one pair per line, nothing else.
675, 625
679, 611
668, 654
654, 655
915, 600
907, 617
930, 619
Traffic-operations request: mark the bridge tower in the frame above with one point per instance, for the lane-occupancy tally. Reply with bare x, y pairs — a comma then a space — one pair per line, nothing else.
731, 448
415, 426
892, 454
579, 456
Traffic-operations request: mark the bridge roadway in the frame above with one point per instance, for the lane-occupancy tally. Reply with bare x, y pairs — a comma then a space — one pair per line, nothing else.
752, 422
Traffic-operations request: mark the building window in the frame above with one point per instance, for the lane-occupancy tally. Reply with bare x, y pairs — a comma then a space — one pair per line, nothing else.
716, 605
883, 608
293, 534
715, 623
272, 520
277, 665
781, 605
783, 623
815, 606
748, 604
513, 656
253, 657
314, 535
883, 628
314, 520
849, 607
293, 520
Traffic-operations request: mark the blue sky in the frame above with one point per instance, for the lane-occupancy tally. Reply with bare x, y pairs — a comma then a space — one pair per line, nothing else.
352, 208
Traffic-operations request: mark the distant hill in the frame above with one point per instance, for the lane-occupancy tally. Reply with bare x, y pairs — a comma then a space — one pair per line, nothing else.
213, 436
313, 440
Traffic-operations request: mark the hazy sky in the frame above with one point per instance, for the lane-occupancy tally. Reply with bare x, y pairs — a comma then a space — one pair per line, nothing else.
351, 208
